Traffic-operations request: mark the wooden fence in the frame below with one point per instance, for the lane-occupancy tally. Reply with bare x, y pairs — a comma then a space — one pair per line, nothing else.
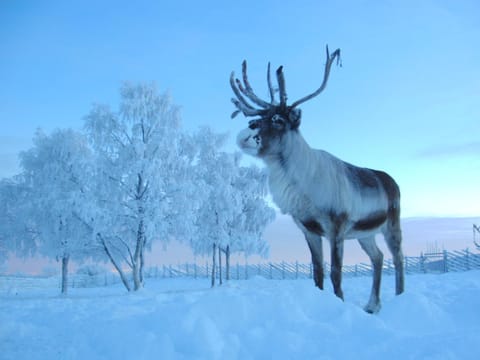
441, 262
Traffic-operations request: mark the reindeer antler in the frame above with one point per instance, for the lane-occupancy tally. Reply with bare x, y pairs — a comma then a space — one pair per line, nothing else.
328, 65
244, 91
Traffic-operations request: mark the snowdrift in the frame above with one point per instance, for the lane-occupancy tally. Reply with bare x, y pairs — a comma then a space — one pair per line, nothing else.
436, 318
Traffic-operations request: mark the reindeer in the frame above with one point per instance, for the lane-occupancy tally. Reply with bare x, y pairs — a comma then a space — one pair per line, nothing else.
326, 197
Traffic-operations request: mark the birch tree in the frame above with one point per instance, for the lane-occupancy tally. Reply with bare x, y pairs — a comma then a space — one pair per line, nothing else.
17, 235
234, 212
141, 177
54, 170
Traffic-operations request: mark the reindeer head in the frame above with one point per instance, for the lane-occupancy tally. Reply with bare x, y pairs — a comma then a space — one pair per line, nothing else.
275, 120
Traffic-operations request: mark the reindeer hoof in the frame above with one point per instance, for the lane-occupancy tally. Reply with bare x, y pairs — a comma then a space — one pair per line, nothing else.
372, 308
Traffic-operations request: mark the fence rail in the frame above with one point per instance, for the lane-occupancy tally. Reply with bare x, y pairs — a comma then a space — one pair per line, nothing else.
439, 262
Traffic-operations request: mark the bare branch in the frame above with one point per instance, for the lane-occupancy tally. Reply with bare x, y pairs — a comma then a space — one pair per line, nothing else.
115, 264
127, 247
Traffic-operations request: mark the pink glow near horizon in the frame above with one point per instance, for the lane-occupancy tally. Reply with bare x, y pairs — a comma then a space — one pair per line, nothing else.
287, 244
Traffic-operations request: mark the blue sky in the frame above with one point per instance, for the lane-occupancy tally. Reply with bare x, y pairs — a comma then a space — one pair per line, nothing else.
407, 99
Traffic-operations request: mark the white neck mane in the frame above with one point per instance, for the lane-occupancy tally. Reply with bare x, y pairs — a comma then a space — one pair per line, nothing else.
291, 174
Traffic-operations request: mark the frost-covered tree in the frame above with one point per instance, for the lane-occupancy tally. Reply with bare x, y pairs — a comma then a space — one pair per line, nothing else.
234, 212
7, 214
142, 176
54, 172
17, 235
254, 212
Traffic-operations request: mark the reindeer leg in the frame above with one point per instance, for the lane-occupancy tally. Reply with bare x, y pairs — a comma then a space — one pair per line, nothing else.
336, 247
376, 257
313, 232
315, 245
393, 238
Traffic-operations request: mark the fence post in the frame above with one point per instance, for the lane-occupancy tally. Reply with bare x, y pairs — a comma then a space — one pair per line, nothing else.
445, 261
422, 263
296, 269
467, 258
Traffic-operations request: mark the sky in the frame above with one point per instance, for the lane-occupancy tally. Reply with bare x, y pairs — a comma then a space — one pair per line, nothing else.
406, 100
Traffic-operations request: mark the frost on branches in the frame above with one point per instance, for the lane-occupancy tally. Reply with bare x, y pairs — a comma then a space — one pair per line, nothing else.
140, 178
234, 212
131, 178
17, 234
154, 182
54, 175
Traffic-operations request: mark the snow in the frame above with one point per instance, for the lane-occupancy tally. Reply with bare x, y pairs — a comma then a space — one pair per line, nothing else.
436, 318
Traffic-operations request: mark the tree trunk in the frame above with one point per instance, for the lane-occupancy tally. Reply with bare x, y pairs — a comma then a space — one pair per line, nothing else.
117, 267
227, 264
213, 265
220, 265
142, 261
65, 260
137, 283
137, 259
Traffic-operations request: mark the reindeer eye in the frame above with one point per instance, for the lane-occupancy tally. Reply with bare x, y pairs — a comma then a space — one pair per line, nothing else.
278, 121
253, 125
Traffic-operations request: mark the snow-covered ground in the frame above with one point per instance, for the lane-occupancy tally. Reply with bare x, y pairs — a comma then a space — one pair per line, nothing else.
438, 317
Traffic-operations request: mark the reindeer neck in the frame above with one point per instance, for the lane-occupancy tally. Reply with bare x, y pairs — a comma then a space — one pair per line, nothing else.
290, 175
294, 168
295, 156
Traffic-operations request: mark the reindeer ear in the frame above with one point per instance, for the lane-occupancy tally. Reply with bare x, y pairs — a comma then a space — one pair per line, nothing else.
294, 117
